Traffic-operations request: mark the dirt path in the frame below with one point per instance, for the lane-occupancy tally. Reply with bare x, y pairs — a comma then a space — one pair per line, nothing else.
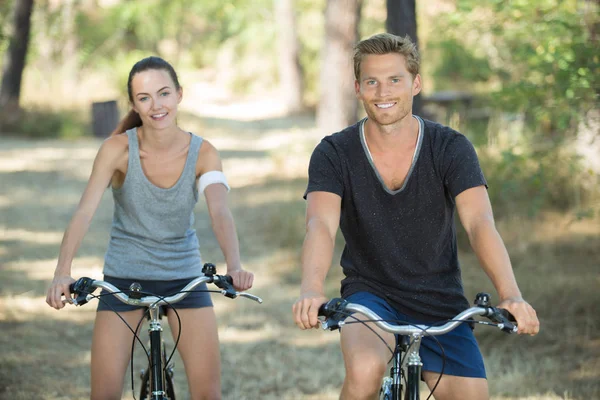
45, 353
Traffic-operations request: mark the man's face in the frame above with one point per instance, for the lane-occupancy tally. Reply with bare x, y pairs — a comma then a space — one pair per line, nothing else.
386, 88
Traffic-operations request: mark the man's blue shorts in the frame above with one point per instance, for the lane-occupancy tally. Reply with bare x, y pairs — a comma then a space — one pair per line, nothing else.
463, 357
196, 299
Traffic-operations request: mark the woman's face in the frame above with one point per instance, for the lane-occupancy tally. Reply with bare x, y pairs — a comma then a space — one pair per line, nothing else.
155, 98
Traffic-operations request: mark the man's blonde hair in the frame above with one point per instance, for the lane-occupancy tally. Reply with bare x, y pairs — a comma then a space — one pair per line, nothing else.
385, 43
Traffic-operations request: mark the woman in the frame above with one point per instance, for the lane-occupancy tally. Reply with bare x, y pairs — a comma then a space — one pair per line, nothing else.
155, 170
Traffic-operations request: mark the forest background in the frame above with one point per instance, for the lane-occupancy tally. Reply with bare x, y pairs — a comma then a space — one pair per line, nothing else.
265, 80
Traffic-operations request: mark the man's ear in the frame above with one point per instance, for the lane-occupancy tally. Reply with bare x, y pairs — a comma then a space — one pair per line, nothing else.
417, 85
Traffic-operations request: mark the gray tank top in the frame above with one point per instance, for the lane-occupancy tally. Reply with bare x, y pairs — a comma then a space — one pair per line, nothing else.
152, 235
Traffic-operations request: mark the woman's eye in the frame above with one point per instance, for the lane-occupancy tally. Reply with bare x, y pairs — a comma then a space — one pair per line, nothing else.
165, 93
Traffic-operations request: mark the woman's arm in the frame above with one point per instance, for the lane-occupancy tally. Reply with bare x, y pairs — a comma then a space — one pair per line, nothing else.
105, 165
222, 219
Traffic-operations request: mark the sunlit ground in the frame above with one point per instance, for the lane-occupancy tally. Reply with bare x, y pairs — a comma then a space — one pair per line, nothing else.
45, 353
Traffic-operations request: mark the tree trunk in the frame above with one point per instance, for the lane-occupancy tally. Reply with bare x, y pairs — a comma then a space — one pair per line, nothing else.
338, 105
14, 60
401, 21
291, 81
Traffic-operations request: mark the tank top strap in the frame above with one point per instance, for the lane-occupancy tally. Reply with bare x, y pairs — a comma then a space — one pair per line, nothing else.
134, 163
192, 160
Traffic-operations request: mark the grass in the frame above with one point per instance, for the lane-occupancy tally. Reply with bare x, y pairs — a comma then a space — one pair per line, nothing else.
45, 353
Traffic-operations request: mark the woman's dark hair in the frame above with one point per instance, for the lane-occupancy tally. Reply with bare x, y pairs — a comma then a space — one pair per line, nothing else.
132, 119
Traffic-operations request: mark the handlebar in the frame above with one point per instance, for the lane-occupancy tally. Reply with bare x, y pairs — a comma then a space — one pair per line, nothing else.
84, 287
333, 313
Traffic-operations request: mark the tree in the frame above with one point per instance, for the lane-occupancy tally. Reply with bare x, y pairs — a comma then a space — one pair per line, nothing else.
290, 70
338, 105
402, 20
14, 61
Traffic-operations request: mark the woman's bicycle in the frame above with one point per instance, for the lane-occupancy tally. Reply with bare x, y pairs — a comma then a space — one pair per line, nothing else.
157, 379
405, 372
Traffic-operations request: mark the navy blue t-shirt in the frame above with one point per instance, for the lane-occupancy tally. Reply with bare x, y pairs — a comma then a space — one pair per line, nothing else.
400, 245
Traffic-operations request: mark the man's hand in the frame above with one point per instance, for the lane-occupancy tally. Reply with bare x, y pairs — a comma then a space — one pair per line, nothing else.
524, 314
306, 309
242, 280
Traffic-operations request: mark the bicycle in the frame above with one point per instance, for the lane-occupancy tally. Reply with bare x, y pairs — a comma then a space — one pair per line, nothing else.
405, 372
157, 379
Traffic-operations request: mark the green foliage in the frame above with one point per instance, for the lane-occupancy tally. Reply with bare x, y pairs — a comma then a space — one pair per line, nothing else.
177, 30
41, 123
537, 58
455, 63
5, 14
525, 182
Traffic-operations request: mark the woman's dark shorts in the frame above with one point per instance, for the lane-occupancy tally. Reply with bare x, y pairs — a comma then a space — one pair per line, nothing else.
196, 299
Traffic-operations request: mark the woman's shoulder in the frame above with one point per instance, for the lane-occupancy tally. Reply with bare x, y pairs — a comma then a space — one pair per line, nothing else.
208, 158
120, 140
114, 147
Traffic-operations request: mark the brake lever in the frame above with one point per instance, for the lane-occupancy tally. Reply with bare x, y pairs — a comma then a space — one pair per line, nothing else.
225, 283
250, 296
329, 314
82, 287
504, 319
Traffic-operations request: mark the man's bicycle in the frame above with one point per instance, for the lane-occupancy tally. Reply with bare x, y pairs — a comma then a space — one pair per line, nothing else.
405, 372
157, 379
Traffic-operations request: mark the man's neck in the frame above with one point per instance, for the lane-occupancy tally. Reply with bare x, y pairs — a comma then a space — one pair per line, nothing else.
384, 138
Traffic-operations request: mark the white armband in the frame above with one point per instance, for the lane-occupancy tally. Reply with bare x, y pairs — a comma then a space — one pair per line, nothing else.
210, 177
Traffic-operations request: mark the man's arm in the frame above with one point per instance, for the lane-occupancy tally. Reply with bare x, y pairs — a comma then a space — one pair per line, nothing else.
475, 212
322, 221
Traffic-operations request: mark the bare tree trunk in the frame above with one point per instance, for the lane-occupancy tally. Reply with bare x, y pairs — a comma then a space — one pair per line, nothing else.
402, 20
14, 61
338, 105
291, 80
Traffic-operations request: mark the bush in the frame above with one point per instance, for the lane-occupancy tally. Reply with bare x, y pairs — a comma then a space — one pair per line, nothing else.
43, 123
524, 182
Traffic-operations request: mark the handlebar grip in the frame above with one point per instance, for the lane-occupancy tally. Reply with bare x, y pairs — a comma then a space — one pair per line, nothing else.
323, 311
228, 279
506, 314
81, 287
331, 313
506, 320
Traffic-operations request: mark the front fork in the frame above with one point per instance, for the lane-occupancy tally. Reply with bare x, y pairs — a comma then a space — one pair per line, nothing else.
413, 369
157, 373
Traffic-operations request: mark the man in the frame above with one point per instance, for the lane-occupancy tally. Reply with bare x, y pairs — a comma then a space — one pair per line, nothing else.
391, 182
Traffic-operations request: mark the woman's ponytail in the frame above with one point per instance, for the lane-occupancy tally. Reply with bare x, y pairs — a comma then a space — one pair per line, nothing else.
131, 120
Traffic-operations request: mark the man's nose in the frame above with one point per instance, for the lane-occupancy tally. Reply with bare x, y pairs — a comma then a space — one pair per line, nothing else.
383, 89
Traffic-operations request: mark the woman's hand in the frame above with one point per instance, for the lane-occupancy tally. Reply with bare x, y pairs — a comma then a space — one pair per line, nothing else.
58, 288
242, 280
